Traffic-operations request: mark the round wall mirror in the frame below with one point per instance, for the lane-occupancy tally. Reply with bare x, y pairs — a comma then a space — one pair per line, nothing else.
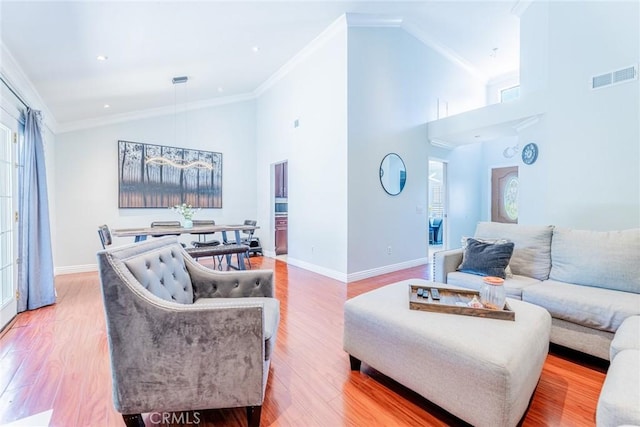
393, 174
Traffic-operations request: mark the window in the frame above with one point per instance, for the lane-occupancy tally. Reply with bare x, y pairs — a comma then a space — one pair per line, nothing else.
509, 94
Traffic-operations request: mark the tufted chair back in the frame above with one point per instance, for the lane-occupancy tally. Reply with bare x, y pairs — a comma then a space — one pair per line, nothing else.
163, 273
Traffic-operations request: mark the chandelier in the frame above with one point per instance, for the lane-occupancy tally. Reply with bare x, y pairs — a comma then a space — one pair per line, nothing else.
178, 163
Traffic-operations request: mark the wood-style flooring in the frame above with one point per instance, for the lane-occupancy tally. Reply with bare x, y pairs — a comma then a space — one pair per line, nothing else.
56, 358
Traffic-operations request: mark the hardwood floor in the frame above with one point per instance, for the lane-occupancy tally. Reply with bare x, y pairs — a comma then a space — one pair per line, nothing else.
57, 358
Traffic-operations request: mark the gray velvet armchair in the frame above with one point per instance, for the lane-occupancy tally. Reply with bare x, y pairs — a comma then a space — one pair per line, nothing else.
183, 337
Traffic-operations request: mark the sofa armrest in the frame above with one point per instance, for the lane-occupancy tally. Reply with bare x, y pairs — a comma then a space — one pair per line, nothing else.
208, 283
445, 262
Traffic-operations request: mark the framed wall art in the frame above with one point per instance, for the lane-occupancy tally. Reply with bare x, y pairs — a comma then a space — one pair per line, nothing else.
157, 176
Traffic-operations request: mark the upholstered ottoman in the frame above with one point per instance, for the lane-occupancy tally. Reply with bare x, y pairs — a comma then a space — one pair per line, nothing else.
483, 371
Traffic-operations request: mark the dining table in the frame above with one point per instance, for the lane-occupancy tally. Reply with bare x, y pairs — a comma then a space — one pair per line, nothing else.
141, 233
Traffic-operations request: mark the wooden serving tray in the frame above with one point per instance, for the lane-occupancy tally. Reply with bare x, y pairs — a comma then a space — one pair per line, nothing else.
447, 303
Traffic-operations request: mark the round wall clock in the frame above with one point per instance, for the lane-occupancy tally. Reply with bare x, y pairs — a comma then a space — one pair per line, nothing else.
530, 153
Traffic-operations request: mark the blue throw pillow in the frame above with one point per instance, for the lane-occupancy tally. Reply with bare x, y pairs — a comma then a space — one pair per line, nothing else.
486, 259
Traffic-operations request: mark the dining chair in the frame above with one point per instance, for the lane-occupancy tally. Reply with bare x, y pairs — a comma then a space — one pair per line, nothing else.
435, 231
202, 237
105, 236
249, 233
166, 224
247, 240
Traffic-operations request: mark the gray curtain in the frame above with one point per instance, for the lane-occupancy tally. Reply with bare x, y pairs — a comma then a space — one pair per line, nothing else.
35, 274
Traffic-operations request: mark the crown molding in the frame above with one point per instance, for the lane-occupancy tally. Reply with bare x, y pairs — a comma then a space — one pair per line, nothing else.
13, 74
448, 53
334, 28
520, 7
152, 112
355, 20
371, 20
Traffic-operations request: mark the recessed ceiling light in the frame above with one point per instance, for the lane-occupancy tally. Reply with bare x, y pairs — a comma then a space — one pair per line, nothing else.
255, 49
102, 57
107, 106
220, 89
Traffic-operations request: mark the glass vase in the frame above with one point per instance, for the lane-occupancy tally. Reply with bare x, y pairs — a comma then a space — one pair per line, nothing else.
493, 294
187, 223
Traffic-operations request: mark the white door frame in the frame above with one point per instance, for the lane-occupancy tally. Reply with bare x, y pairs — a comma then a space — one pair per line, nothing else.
8, 225
445, 195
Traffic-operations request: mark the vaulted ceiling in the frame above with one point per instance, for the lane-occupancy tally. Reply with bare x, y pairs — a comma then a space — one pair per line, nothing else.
226, 48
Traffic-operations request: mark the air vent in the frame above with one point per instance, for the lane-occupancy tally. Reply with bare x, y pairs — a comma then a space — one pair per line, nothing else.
601, 80
625, 74
614, 77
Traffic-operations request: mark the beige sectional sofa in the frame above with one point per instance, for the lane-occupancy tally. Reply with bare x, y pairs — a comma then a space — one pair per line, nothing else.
589, 281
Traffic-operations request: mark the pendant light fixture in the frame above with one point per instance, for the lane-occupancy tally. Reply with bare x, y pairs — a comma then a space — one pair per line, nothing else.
174, 162
178, 81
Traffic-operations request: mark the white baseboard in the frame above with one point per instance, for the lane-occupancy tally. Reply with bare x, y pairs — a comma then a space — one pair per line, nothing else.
342, 277
71, 269
365, 274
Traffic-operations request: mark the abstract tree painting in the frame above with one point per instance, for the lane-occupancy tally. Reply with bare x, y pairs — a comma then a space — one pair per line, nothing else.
157, 176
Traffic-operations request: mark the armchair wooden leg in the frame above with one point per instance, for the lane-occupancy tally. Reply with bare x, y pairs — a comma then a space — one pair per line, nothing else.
355, 363
133, 420
253, 416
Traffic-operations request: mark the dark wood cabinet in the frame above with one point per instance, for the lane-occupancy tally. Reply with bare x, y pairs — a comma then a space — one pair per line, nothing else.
281, 226
281, 180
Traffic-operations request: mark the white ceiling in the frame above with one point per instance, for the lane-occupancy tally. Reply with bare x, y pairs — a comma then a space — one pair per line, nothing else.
149, 42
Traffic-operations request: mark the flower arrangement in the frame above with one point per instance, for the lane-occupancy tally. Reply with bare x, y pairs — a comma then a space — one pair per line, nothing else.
185, 210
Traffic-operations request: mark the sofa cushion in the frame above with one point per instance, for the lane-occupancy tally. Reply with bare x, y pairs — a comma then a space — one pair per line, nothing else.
627, 337
594, 258
532, 246
163, 273
597, 308
513, 285
486, 259
618, 401
271, 315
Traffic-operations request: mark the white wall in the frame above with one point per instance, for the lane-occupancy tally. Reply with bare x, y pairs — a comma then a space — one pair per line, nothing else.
588, 174
394, 84
86, 176
341, 222
465, 175
313, 91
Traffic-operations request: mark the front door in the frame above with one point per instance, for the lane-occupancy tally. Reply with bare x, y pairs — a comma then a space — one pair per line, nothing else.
504, 195
8, 232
